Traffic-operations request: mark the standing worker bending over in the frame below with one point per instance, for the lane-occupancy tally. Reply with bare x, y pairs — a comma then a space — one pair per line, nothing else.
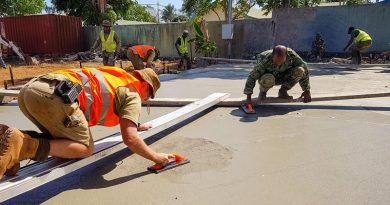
139, 54
359, 41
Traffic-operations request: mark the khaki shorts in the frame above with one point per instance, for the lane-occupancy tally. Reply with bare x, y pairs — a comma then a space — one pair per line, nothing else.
47, 111
137, 62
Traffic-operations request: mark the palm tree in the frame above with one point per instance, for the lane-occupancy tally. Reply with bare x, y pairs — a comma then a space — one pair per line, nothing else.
168, 14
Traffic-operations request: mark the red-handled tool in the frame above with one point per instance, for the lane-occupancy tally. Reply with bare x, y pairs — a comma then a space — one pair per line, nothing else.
177, 161
248, 108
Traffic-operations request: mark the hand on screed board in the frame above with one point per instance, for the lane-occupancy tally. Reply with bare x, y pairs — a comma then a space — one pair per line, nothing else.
306, 96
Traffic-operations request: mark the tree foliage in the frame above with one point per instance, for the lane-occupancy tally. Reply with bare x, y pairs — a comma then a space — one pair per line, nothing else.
269, 5
89, 11
203, 44
180, 18
168, 13
198, 8
21, 7
137, 12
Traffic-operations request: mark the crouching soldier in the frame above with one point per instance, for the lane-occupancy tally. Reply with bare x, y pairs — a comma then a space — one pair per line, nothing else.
280, 66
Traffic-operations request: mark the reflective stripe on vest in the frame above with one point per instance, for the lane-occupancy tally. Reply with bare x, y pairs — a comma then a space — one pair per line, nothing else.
363, 36
183, 45
99, 85
108, 45
141, 50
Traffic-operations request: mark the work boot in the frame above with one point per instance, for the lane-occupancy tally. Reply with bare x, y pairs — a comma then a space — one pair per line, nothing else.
283, 93
262, 96
14, 147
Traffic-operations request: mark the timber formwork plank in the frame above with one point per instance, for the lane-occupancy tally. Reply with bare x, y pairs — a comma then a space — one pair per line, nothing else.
233, 102
37, 174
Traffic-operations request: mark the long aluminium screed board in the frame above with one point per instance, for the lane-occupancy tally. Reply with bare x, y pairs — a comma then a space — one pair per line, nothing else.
41, 173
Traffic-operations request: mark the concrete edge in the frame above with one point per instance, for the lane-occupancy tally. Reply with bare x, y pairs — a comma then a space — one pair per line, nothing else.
230, 102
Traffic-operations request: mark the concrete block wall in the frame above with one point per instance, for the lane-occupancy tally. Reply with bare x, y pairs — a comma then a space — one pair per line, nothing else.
293, 27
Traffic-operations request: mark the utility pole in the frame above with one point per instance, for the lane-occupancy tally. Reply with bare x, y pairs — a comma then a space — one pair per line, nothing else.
230, 5
158, 12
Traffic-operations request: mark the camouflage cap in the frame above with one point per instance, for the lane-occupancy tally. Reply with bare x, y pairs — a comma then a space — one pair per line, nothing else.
151, 77
106, 23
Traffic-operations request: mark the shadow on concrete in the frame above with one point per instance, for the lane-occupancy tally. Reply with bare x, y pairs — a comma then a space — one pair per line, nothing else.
332, 71
241, 73
383, 71
274, 110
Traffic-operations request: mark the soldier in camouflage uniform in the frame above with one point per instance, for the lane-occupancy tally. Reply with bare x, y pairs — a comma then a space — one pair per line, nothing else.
318, 47
280, 66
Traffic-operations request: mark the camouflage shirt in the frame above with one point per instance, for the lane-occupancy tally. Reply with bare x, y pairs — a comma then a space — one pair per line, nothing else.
265, 65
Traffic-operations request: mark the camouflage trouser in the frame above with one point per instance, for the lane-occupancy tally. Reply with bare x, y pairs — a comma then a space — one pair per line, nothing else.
185, 57
288, 79
108, 59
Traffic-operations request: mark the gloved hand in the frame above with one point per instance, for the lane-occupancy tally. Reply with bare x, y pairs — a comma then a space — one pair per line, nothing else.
306, 96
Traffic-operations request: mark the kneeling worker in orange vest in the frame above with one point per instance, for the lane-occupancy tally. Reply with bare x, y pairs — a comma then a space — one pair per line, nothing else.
139, 54
65, 103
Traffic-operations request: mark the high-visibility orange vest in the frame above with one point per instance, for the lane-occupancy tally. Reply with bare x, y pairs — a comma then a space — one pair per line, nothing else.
99, 85
141, 50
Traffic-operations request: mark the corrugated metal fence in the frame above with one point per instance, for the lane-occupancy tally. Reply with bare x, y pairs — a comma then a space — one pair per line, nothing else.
44, 34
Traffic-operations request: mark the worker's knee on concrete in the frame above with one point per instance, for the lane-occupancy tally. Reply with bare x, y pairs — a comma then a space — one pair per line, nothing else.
88, 151
267, 80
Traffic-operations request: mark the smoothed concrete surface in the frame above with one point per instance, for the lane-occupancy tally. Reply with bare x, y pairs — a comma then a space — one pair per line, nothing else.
230, 78
318, 153
334, 152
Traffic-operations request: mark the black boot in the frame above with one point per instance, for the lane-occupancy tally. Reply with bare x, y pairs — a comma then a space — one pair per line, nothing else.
283, 92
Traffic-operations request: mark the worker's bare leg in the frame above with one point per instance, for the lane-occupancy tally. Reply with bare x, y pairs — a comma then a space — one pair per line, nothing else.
70, 149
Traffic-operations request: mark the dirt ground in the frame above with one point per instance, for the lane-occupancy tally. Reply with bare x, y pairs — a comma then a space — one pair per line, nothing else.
25, 71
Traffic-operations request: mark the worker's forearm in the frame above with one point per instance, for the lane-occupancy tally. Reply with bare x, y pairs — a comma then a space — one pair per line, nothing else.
138, 146
249, 85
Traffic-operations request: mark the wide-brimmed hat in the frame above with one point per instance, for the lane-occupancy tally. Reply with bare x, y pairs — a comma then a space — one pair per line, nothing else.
151, 77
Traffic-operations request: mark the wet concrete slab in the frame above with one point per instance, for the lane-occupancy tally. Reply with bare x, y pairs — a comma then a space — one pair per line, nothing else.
231, 78
318, 153
334, 152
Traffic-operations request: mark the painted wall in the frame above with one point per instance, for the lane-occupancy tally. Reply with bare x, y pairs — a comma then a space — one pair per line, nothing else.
293, 27
297, 27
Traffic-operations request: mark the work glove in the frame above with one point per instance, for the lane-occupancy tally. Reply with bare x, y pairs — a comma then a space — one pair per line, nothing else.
306, 96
